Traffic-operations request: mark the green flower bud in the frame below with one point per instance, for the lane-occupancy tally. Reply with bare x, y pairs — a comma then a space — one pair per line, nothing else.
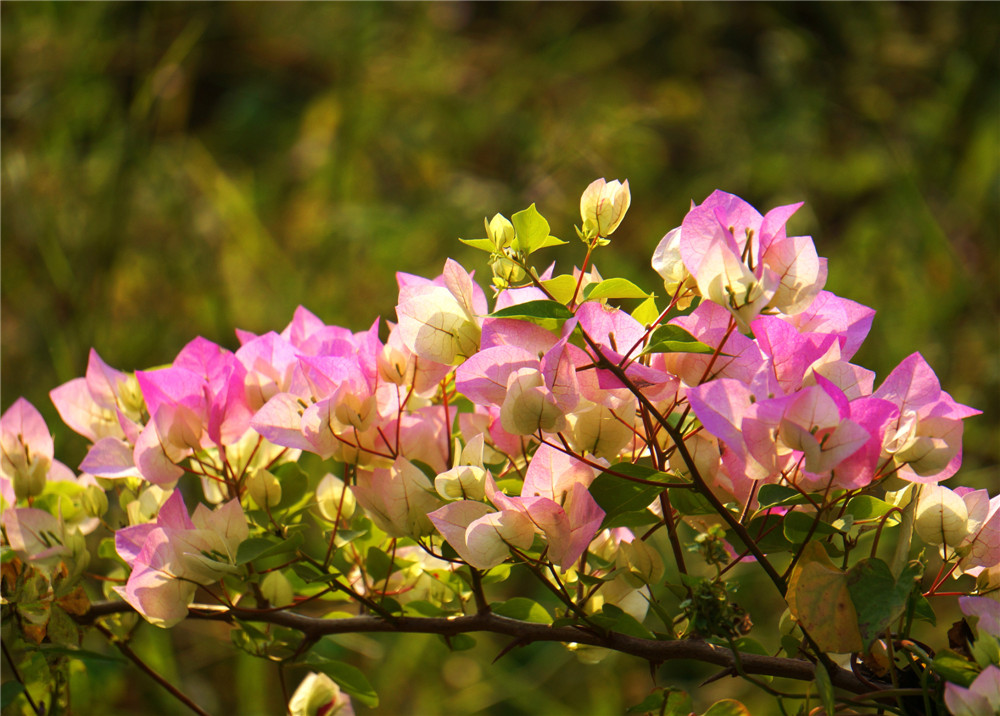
643, 563
500, 231
94, 501
277, 589
334, 500
29, 476
264, 488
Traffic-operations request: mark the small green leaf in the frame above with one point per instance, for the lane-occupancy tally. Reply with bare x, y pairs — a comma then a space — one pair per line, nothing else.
561, 287
522, 609
258, 547
866, 507
613, 288
922, 608
689, 502
954, 668
637, 518
771, 495
349, 678
647, 312
459, 642
9, 691
481, 244
878, 597
294, 484
797, 525
728, 707
535, 310
83, 655
549, 241
669, 338
615, 619
616, 495
825, 688
531, 230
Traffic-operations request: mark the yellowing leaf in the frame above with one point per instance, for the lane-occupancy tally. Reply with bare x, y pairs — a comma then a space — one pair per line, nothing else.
819, 599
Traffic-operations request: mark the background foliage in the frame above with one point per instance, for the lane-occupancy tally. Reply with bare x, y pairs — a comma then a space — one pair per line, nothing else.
176, 170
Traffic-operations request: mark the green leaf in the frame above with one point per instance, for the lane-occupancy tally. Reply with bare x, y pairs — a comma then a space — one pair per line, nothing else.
669, 338
612, 288
771, 536
481, 244
637, 518
561, 287
9, 691
797, 525
922, 608
7, 554
549, 241
667, 701
294, 484
61, 629
772, 495
729, 707
689, 502
616, 495
615, 619
83, 655
257, 547
459, 642
878, 597
531, 230
349, 678
425, 608
522, 609
538, 310
955, 668
647, 312
825, 688
866, 507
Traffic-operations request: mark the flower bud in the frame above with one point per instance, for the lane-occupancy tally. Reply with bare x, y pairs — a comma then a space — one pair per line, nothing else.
603, 206
642, 562
668, 263
465, 482
500, 231
319, 695
130, 398
333, 499
505, 271
941, 517
94, 501
29, 475
264, 488
277, 590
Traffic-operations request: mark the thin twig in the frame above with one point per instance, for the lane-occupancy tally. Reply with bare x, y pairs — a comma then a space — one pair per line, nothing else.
126, 650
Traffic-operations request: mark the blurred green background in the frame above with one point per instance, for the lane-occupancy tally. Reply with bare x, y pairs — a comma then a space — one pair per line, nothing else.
173, 170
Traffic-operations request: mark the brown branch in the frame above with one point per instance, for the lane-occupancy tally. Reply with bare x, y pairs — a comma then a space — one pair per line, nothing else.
525, 632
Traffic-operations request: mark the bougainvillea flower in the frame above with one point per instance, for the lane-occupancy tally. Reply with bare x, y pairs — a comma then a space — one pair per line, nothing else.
738, 356
398, 498
603, 206
26, 449
173, 555
746, 262
925, 442
319, 695
440, 320
104, 403
481, 535
981, 697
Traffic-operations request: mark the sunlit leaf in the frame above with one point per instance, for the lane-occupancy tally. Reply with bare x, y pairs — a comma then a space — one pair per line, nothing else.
820, 600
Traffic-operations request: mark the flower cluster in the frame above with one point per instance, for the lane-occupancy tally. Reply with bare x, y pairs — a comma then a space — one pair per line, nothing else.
552, 429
